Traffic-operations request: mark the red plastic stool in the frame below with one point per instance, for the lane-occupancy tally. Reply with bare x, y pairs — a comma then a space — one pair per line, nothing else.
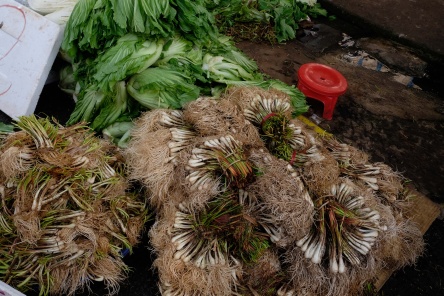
322, 83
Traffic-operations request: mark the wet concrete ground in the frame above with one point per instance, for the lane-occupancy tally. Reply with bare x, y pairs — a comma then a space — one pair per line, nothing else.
412, 22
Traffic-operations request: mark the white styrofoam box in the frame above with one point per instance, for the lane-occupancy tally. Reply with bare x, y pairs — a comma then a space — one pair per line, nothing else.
24, 2
29, 44
7, 290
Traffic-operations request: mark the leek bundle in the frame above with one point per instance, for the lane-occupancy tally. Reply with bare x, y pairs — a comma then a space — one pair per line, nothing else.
253, 202
67, 212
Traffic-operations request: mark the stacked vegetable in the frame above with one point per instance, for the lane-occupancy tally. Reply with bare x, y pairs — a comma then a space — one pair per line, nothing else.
251, 202
275, 20
131, 55
282, 15
210, 224
66, 212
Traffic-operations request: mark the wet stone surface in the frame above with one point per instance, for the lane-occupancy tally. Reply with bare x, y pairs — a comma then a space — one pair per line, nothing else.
394, 55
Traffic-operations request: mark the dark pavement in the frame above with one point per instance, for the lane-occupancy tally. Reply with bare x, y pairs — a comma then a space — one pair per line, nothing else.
414, 23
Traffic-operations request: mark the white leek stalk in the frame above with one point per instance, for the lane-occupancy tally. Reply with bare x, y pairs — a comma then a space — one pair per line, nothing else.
50, 6
60, 16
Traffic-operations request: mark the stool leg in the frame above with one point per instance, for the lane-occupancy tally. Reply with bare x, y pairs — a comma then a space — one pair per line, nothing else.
328, 101
329, 107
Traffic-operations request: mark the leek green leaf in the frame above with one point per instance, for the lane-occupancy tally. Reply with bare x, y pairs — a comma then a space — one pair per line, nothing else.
6, 128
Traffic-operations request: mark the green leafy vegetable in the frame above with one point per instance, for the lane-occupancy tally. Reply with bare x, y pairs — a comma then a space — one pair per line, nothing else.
96, 25
89, 102
118, 132
130, 55
76, 29
195, 21
180, 49
283, 15
6, 128
115, 106
162, 88
67, 82
221, 68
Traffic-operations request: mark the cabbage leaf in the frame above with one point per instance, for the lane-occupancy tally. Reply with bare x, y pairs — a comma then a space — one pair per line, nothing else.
162, 87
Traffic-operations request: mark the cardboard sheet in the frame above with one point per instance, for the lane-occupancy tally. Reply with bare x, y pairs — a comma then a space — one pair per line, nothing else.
424, 213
